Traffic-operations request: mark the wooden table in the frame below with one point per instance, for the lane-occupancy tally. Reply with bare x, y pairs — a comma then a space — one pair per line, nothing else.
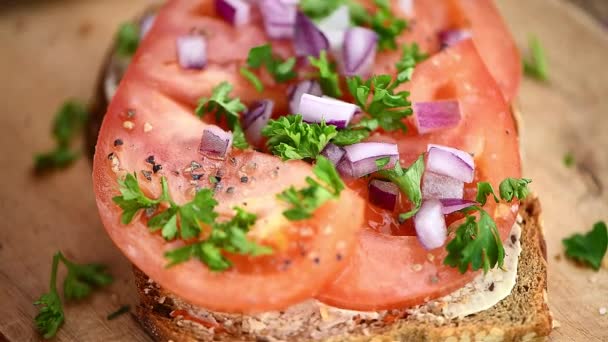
51, 51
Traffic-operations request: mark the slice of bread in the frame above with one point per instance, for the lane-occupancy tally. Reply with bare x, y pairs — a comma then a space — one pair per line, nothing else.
522, 316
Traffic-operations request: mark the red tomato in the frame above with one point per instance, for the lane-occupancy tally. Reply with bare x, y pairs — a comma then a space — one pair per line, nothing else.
396, 271
145, 115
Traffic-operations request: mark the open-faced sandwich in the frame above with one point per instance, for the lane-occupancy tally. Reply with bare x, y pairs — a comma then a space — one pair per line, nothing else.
334, 170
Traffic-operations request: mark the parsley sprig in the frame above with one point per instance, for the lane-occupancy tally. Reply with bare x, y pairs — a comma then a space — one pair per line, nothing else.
68, 124
477, 242
535, 64
187, 221
589, 248
327, 75
127, 39
305, 201
222, 104
80, 281
408, 181
281, 70
291, 138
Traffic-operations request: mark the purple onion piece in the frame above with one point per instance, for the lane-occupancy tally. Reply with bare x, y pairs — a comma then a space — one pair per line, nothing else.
215, 142
436, 115
145, 25
451, 205
359, 51
236, 12
279, 18
383, 194
447, 163
256, 118
465, 156
334, 153
361, 159
430, 225
436, 186
452, 37
334, 25
308, 39
192, 51
332, 111
295, 93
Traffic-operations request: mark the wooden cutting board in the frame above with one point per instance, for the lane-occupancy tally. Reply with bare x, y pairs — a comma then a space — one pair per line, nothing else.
52, 50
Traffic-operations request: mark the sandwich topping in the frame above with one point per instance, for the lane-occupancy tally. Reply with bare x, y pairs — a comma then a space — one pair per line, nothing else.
342, 151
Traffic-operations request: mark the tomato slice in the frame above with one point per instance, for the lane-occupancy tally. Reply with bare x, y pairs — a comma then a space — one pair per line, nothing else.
152, 120
396, 271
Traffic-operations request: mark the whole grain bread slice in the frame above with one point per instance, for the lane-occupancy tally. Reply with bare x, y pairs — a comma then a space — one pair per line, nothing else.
521, 316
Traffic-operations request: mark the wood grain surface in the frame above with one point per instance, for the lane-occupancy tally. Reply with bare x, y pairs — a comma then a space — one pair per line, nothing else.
51, 51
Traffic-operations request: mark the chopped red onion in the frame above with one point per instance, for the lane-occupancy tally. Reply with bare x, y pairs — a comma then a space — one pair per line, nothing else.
192, 51
361, 159
430, 225
439, 186
436, 115
383, 194
407, 6
452, 37
359, 51
308, 39
236, 12
447, 162
279, 18
451, 205
295, 93
465, 156
256, 118
332, 111
145, 25
215, 142
333, 153
334, 25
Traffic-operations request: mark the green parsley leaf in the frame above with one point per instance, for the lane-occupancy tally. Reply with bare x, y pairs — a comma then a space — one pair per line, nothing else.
589, 248
281, 70
305, 201
514, 187
127, 39
328, 77
477, 243
408, 182
221, 104
50, 316
83, 278
317, 9
350, 136
410, 56
535, 65
483, 190
291, 138
382, 162
199, 210
385, 24
229, 236
132, 199
68, 124
569, 160
252, 78
121, 311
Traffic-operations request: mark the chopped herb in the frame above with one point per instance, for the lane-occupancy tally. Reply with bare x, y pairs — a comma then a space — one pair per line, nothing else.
127, 39
280, 69
78, 284
382, 162
305, 201
569, 160
252, 78
230, 236
291, 138
509, 188
68, 124
589, 248
410, 56
121, 311
350, 136
187, 221
384, 23
221, 104
477, 242
317, 9
535, 65
483, 190
328, 77
408, 181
